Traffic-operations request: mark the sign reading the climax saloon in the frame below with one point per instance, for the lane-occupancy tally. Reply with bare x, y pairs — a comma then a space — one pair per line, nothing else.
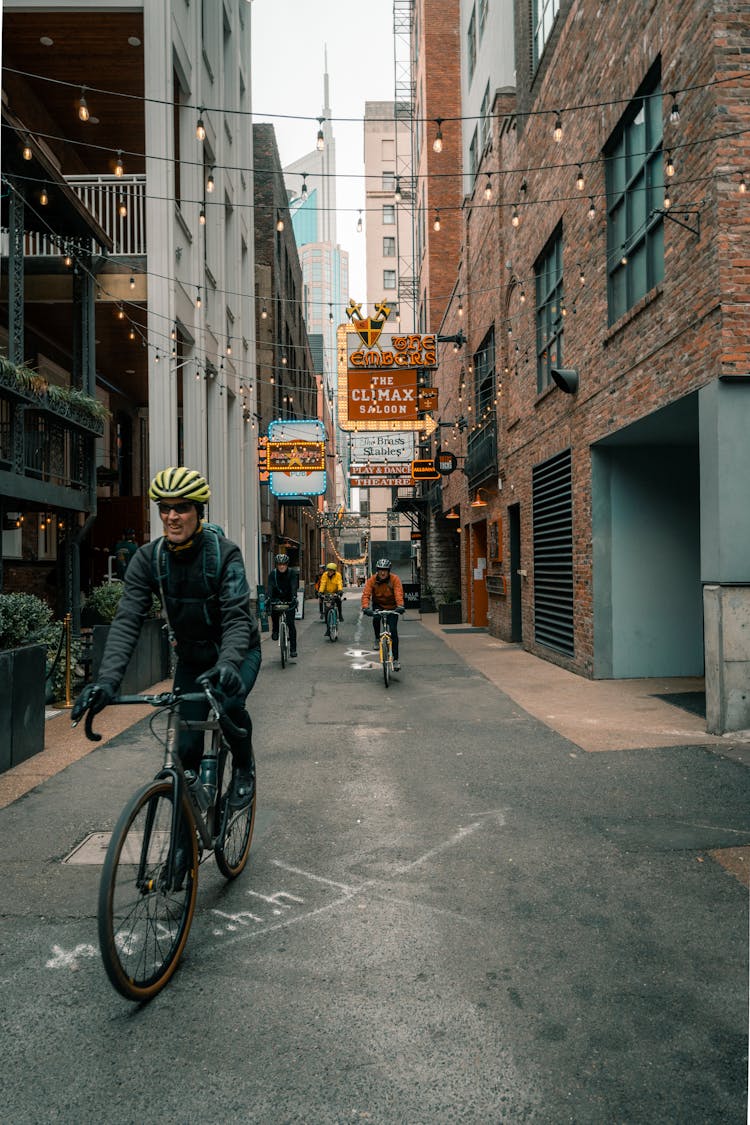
381, 397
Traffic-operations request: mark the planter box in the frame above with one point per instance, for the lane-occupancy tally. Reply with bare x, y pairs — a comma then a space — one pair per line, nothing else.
22, 674
450, 613
148, 664
427, 605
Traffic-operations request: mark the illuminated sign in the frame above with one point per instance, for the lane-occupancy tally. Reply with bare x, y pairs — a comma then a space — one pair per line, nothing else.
372, 396
424, 470
295, 456
372, 470
382, 397
427, 398
297, 482
381, 482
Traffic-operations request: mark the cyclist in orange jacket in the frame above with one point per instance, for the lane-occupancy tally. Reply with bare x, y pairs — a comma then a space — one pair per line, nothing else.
385, 591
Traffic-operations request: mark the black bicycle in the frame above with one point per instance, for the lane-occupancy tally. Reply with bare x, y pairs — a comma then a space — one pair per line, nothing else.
283, 608
149, 883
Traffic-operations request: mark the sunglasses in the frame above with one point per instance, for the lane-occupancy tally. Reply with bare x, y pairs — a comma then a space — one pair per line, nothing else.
180, 509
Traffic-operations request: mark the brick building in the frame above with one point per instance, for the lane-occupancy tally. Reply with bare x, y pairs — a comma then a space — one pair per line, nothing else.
603, 397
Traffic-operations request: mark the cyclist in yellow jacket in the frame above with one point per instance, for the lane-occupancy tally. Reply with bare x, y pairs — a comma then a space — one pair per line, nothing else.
331, 582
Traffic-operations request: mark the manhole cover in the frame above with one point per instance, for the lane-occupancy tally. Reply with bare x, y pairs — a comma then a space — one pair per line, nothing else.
91, 850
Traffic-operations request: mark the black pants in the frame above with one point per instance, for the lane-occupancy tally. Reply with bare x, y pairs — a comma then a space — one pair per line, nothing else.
393, 626
289, 614
191, 742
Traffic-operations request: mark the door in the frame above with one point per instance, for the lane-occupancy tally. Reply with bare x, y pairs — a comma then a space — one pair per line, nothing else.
514, 535
479, 601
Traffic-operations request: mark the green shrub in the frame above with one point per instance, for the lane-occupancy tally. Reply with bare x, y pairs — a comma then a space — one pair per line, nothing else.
27, 620
105, 599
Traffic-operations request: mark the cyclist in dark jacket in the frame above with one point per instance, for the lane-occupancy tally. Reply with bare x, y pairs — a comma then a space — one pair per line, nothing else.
206, 600
282, 587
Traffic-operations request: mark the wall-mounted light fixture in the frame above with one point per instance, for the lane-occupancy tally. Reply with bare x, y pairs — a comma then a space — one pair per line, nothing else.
478, 502
566, 378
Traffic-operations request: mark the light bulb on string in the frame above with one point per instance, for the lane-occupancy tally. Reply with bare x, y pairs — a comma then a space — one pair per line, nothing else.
202, 217
579, 179
43, 196
122, 209
592, 207
488, 189
131, 333
669, 166
119, 166
198, 301
397, 196
515, 217
132, 283
437, 144
200, 128
743, 185
674, 113
264, 313
557, 132
359, 223
210, 183
436, 221
26, 152
460, 307
303, 192
581, 275
279, 221
83, 109
667, 199
320, 140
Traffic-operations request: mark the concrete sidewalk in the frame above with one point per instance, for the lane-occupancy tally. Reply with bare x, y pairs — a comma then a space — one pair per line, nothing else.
594, 715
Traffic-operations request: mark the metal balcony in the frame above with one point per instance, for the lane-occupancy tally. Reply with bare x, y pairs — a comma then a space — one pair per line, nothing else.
481, 454
104, 197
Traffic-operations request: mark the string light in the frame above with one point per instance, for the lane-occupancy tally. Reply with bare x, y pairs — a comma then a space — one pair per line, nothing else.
279, 221
488, 189
320, 139
557, 132
674, 113
131, 333
667, 199
581, 274
122, 209
397, 196
119, 166
579, 179
26, 152
460, 308
210, 181
68, 261
743, 184
303, 193
83, 109
202, 217
437, 144
229, 346
436, 221
200, 128
515, 217
132, 283
592, 207
359, 223
264, 312
669, 165
198, 301
43, 196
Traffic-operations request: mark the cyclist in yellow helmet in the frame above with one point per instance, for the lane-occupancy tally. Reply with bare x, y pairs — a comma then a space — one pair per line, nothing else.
331, 582
199, 575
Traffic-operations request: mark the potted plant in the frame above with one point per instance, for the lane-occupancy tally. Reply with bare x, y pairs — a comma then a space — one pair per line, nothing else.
450, 609
150, 660
32, 672
427, 600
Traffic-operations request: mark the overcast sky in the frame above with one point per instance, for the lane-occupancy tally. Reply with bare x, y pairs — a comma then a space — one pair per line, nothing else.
289, 39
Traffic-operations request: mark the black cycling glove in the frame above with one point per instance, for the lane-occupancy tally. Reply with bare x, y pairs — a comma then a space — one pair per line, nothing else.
93, 698
226, 677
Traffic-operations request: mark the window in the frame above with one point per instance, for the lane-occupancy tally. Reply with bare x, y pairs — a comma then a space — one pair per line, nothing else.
544, 14
484, 114
484, 375
471, 44
389, 247
389, 214
474, 155
548, 272
483, 6
389, 279
635, 192
389, 181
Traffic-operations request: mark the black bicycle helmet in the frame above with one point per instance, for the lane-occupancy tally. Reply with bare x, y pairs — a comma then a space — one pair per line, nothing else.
383, 564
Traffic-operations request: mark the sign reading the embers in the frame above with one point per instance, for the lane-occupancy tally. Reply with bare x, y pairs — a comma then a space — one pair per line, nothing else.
393, 353
376, 395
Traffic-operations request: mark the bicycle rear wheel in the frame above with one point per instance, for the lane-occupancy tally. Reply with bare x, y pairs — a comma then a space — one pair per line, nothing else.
145, 904
235, 826
385, 656
333, 625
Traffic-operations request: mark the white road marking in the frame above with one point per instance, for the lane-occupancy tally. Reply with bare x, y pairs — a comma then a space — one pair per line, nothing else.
69, 958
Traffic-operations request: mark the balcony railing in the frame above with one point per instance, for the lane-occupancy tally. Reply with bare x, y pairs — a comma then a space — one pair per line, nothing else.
481, 454
105, 197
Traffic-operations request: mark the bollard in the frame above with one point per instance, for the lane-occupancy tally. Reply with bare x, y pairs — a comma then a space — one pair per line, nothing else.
67, 626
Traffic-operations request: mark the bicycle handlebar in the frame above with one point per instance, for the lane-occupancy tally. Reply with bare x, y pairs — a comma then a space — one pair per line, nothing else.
170, 699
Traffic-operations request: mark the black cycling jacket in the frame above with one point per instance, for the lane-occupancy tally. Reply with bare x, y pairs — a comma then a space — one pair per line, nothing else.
211, 618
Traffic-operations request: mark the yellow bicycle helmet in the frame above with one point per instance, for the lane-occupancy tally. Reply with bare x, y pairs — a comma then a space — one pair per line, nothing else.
179, 484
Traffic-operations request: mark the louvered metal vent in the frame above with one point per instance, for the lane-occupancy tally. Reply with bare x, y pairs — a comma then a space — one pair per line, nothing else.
553, 553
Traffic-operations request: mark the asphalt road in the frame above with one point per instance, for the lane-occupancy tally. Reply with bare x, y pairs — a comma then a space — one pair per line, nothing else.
451, 914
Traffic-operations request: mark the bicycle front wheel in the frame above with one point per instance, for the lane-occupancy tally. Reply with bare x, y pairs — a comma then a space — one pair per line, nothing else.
385, 656
147, 895
235, 825
283, 644
333, 624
